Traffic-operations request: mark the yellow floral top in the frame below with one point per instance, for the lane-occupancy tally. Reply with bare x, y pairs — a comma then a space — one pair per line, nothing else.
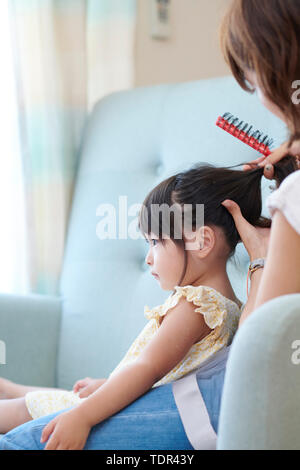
220, 314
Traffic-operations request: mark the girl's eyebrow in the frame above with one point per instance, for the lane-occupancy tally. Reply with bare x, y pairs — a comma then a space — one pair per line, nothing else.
149, 237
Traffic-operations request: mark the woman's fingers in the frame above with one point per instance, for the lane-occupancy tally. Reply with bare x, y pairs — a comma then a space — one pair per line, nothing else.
241, 223
269, 171
255, 239
275, 157
254, 163
249, 166
268, 162
278, 155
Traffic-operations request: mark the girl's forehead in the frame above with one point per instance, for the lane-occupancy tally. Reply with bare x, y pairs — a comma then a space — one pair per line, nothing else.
153, 236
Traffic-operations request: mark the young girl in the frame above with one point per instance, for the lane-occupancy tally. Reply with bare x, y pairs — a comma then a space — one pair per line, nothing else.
198, 319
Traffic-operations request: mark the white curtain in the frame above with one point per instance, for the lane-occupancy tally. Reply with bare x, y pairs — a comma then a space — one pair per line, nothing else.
67, 54
13, 264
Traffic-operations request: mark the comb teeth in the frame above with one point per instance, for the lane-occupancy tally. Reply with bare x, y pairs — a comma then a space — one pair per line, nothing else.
243, 131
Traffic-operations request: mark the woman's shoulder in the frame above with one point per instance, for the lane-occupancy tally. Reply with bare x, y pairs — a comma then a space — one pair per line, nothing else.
289, 188
286, 199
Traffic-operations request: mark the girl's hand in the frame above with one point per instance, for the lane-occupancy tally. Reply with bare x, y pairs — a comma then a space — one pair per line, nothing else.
87, 386
68, 431
255, 239
276, 156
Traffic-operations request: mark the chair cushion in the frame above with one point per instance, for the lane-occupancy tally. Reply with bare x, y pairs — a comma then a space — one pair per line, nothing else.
133, 140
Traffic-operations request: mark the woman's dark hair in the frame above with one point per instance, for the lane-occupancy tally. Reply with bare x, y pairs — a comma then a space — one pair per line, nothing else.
209, 185
264, 36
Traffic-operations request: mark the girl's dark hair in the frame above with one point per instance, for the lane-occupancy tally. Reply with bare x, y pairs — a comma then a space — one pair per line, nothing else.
209, 185
264, 36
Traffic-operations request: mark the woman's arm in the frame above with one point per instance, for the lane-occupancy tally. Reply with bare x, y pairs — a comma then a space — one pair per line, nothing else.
281, 274
250, 304
180, 329
256, 241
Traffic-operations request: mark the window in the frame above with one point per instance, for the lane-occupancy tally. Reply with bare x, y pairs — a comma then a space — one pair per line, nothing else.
13, 277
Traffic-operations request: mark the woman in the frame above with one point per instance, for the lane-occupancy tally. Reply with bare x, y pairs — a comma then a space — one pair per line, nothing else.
261, 40
261, 43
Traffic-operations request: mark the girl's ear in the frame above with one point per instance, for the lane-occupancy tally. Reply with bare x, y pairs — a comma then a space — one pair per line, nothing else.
207, 241
202, 241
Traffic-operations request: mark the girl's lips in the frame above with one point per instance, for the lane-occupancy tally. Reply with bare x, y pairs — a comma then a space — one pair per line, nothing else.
155, 275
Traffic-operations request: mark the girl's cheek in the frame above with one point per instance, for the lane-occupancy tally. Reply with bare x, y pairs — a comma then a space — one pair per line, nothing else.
158, 255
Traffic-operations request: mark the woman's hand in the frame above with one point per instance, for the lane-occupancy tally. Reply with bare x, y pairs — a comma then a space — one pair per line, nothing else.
67, 431
276, 156
87, 386
255, 239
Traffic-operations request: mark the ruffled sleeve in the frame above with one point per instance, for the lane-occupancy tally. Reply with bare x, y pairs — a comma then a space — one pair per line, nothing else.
209, 303
161, 310
286, 199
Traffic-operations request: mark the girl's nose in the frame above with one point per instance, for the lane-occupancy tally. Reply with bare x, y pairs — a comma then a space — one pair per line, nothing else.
149, 258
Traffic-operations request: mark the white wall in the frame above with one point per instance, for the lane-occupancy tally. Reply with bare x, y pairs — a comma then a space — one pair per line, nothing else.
191, 53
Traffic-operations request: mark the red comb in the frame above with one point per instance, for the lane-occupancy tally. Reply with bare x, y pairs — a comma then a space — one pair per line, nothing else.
243, 132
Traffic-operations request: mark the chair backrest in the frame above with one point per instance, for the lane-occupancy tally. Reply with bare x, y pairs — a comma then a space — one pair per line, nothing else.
133, 140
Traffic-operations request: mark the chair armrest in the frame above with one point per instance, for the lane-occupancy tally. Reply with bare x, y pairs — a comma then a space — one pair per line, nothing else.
260, 402
29, 333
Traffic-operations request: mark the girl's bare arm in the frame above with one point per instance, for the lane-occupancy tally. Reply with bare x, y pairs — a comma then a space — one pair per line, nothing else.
180, 329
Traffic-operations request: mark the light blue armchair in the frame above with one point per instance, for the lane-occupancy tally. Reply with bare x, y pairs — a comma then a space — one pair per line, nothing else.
132, 141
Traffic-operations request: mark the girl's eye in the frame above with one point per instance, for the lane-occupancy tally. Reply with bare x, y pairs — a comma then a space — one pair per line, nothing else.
152, 241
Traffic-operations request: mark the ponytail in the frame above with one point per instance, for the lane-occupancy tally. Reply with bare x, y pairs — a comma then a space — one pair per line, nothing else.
210, 185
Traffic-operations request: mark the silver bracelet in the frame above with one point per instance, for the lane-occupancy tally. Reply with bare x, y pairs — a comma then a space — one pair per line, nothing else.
256, 264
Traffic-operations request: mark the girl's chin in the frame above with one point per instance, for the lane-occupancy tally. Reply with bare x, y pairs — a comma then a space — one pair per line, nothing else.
164, 285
